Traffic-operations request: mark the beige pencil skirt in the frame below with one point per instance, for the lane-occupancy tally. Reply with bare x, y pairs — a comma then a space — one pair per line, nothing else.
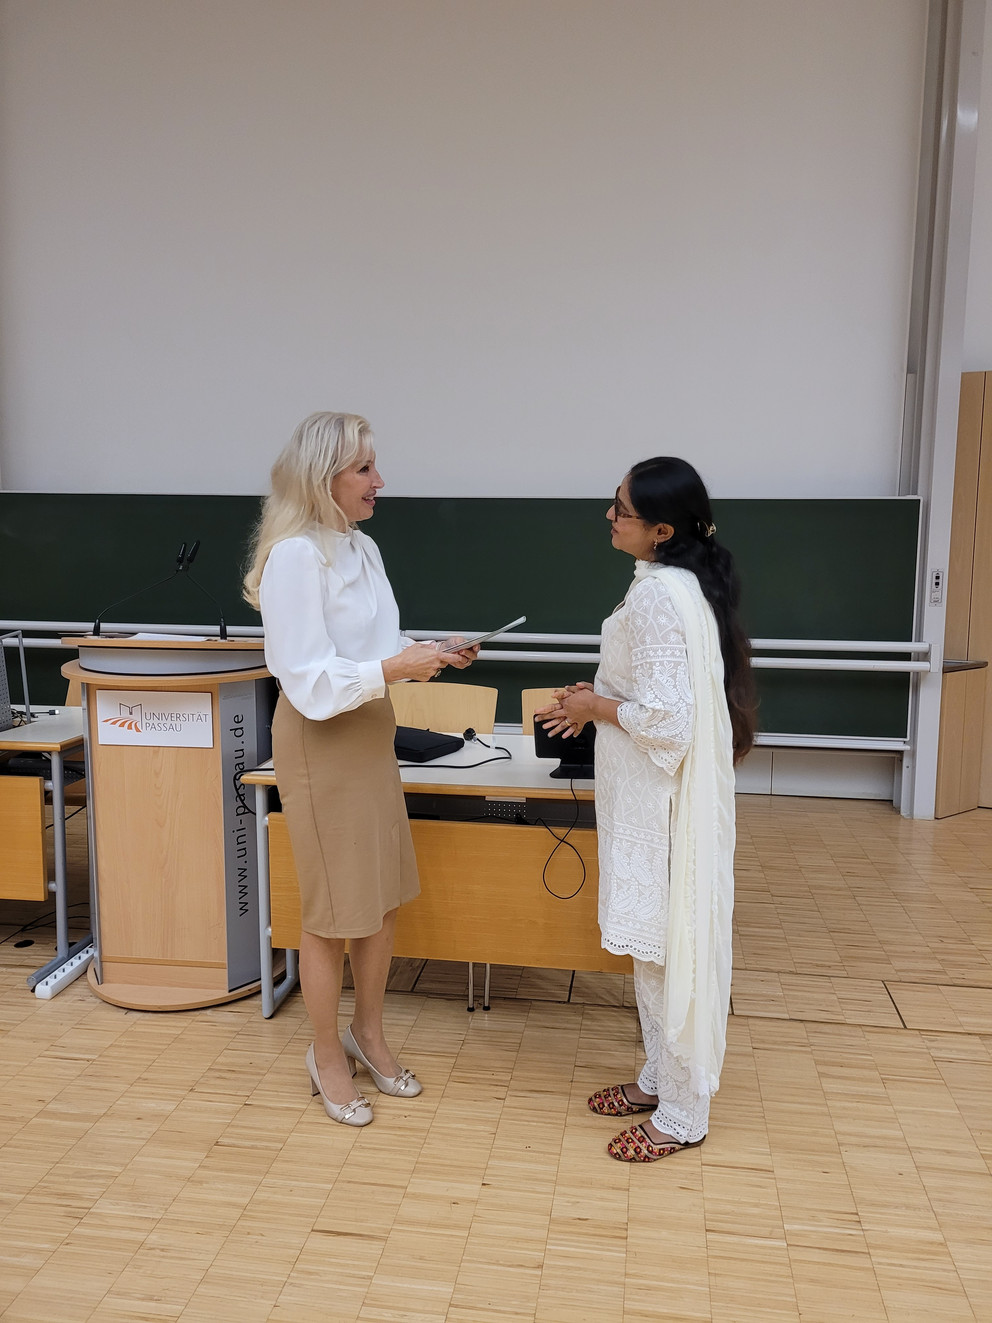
343, 800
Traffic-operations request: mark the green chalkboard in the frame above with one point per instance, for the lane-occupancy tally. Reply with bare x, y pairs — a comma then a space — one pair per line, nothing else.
67, 557
826, 569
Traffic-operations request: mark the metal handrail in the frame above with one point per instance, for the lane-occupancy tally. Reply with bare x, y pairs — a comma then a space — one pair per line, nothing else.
512, 654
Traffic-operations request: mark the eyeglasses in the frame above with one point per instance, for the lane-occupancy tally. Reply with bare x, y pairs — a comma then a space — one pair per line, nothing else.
620, 511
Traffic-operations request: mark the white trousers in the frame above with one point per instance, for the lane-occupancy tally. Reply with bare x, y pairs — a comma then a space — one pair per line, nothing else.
681, 1112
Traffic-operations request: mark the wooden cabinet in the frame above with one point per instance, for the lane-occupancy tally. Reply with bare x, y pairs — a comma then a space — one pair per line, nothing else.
964, 769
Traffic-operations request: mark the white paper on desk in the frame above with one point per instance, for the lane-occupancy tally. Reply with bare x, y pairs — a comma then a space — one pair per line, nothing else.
168, 638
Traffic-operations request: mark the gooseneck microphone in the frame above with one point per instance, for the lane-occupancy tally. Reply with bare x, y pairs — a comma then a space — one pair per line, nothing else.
183, 561
184, 569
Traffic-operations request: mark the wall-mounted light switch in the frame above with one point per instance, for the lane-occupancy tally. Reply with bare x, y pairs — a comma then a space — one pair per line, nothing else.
936, 587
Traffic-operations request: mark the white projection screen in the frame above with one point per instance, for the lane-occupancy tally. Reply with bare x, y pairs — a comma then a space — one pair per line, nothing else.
531, 240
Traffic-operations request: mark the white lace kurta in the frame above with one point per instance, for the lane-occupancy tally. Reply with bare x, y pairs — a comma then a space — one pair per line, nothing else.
644, 665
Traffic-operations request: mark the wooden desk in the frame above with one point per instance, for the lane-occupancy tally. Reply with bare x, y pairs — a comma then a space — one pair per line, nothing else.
23, 863
482, 897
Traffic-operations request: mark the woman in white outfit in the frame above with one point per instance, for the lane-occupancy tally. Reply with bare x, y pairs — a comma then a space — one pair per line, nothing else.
673, 707
332, 640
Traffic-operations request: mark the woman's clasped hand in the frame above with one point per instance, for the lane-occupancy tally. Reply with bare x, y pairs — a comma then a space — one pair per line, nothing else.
572, 707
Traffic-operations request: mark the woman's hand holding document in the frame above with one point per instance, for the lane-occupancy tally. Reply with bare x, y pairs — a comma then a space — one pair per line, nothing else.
470, 647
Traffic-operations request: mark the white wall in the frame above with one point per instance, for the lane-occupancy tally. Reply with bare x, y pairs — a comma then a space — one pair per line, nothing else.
532, 240
978, 317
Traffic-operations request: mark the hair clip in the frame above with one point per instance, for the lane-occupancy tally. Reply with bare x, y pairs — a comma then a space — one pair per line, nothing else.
707, 529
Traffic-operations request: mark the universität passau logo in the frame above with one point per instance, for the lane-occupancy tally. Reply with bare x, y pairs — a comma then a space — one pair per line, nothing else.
130, 718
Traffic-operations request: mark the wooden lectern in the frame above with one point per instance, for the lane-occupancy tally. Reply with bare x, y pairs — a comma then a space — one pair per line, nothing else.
169, 725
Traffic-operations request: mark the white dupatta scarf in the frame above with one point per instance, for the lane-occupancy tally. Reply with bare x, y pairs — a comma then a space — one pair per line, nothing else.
701, 895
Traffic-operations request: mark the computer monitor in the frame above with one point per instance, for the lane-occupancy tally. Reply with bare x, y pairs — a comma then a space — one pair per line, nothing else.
576, 753
6, 712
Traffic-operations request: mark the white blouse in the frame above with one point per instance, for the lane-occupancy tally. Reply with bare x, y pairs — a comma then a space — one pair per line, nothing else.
330, 619
644, 664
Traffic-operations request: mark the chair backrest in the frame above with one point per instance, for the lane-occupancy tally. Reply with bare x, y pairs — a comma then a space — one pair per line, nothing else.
530, 700
449, 707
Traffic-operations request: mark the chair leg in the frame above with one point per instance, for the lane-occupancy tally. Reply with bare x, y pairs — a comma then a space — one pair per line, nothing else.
471, 987
485, 995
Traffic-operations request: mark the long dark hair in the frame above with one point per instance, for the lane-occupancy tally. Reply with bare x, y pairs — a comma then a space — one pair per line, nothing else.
667, 490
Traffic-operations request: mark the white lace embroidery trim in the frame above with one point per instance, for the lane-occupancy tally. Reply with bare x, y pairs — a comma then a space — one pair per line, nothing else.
682, 1111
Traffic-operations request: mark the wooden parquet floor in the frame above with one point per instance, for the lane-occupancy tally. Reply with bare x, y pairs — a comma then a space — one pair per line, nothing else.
159, 1167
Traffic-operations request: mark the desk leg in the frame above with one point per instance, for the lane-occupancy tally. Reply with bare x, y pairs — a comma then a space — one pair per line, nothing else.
273, 994
91, 832
61, 872
64, 953
471, 987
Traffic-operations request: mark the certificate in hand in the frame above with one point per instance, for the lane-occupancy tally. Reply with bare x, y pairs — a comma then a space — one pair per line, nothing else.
483, 638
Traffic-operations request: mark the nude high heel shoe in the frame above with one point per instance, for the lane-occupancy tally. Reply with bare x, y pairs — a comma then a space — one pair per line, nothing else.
403, 1085
356, 1112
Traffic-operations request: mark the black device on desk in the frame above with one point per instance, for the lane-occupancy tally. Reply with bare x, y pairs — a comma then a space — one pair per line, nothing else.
577, 753
413, 745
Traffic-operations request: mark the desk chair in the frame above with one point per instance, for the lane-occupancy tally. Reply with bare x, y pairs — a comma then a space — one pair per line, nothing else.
25, 864
451, 708
22, 811
530, 701
27, 786
445, 707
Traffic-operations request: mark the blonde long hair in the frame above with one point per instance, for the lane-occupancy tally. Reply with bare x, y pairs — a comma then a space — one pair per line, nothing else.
321, 447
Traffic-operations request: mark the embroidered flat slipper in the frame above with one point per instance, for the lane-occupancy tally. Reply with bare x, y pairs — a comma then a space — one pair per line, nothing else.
634, 1145
614, 1102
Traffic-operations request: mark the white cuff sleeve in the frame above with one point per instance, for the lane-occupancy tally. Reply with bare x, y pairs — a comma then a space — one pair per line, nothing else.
371, 679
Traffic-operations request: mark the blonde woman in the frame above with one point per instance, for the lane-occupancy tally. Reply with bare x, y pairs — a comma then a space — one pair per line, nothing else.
332, 640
